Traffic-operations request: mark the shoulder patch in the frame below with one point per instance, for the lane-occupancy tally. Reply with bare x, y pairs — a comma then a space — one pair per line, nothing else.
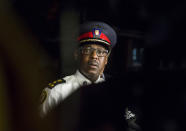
43, 96
53, 84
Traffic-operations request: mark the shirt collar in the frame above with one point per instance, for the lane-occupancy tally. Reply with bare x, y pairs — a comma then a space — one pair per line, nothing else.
82, 79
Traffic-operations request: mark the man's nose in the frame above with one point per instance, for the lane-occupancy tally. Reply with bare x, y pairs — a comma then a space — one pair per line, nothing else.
94, 54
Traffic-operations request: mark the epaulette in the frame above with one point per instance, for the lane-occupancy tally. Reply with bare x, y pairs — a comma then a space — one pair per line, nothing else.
56, 82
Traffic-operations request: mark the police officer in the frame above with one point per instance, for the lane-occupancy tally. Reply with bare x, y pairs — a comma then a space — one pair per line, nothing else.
96, 40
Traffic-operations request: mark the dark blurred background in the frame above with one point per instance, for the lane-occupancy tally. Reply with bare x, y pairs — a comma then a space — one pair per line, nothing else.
150, 50
150, 34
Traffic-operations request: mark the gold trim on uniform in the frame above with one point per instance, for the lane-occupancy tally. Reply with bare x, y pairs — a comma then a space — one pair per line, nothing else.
43, 96
59, 80
51, 85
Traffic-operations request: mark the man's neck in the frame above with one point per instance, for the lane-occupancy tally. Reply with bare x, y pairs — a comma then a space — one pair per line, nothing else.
92, 78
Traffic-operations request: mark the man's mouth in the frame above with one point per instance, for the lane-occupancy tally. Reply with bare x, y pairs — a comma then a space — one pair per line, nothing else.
93, 64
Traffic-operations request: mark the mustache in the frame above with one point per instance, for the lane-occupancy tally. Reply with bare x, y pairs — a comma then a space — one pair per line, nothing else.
93, 62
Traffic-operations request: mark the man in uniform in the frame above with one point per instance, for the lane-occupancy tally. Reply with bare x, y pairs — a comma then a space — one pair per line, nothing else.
96, 40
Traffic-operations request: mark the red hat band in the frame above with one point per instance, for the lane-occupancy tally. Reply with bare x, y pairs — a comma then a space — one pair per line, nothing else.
87, 37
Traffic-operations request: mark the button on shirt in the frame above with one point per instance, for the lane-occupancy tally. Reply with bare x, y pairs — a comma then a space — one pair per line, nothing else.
61, 91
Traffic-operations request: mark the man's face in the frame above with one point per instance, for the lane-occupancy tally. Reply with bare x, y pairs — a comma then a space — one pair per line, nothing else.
92, 60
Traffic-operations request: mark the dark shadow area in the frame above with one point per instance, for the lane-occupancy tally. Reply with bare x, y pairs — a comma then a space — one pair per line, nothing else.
146, 69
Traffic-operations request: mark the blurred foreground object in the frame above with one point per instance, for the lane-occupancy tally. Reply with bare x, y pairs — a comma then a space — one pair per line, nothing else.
19, 76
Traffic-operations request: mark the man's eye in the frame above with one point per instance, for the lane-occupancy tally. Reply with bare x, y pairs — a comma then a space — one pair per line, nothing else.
99, 52
87, 50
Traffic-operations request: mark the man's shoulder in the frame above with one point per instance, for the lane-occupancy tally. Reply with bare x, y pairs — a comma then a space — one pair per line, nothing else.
53, 84
62, 81
69, 78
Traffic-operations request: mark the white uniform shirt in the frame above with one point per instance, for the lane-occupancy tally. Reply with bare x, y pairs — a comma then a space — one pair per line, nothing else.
52, 96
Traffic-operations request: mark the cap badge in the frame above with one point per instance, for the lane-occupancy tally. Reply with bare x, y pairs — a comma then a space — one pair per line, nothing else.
96, 32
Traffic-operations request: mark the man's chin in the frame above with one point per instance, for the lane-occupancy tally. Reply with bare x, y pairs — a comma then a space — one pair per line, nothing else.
92, 72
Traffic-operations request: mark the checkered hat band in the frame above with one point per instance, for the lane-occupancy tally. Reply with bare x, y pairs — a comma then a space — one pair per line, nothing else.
95, 40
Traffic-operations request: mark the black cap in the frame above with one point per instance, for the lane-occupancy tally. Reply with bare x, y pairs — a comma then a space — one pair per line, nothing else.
97, 32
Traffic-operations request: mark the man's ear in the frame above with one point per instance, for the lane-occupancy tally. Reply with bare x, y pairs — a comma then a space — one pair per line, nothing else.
106, 61
107, 57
